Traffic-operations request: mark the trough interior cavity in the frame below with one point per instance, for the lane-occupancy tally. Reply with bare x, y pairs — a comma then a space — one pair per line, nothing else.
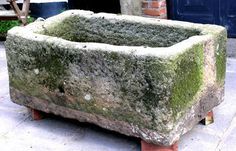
117, 32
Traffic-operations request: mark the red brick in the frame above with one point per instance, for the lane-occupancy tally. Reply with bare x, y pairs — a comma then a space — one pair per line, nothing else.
154, 4
209, 119
36, 115
151, 147
155, 12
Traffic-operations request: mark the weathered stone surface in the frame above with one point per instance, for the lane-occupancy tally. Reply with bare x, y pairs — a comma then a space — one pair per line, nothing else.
148, 78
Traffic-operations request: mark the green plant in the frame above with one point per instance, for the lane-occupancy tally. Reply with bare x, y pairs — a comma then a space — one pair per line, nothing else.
6, 25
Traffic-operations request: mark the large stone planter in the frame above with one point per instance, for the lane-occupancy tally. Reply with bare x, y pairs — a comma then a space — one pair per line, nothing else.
148, 78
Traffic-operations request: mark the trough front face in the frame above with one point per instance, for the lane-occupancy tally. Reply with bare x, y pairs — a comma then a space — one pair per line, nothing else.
148, 78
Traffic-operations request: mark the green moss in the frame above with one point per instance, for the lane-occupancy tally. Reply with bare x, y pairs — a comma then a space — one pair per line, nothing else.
28, 88
114, 55
80, 29
157, 74
50, 61
221, 58
53, 61
189, 78
54, 70
115, 114
63, 30
220, 40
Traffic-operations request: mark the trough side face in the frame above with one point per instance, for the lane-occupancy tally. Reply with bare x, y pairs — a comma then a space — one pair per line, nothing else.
212, 90
129, 89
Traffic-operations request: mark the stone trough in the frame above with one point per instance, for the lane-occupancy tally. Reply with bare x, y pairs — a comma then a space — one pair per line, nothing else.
148, 78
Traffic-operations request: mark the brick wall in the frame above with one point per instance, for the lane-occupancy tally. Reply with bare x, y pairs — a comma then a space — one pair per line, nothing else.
154, 8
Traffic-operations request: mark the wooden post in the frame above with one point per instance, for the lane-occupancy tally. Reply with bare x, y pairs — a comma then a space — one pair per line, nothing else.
152, 147
21, 14
25, 11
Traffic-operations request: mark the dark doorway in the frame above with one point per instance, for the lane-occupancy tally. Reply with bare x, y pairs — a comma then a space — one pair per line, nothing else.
108, 6
220, 12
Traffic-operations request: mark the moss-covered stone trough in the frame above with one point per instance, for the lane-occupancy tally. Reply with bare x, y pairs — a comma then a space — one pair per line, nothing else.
148, 78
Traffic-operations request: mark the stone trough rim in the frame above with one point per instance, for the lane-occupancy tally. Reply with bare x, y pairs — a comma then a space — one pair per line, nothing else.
30, 32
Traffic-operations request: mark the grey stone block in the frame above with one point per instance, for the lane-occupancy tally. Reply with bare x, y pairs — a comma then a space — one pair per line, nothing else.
148, 78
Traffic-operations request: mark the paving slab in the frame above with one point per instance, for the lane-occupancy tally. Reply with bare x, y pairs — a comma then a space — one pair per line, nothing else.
19, 132
4, 88
231, 48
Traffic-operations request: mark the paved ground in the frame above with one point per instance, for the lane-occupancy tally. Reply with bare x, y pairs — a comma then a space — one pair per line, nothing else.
231, 51
19, 133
